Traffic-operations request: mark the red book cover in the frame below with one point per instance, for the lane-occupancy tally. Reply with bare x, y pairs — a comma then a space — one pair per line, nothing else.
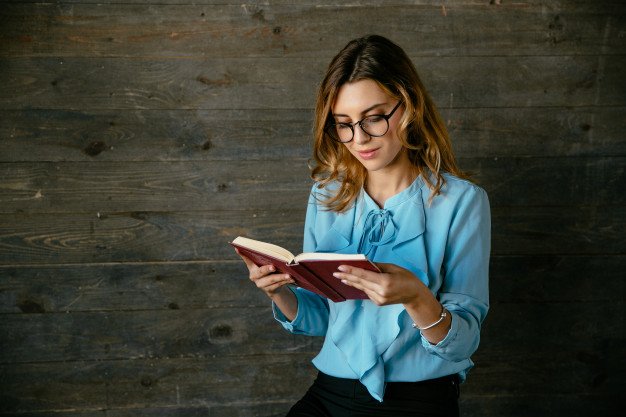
312, 271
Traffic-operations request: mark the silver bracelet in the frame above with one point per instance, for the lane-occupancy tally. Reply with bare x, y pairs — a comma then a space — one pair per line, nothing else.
442, 316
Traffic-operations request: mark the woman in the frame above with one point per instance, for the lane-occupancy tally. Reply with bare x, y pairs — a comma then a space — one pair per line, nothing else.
387, 185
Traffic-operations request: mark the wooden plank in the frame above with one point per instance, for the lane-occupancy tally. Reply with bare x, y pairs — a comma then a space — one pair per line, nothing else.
555, 230
199, 333
183, 135
128, 287
611, 86
188, 236
135, 30
554, 5
206, 285
153, 186
550, 181
538, 405
215, 383
592, 342
154, 135
241, 409
571, 328
539, 279
105, 187
140, 236
503, 132
228, 83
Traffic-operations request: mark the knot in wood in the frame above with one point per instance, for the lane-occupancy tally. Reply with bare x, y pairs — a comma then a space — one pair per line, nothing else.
221, 331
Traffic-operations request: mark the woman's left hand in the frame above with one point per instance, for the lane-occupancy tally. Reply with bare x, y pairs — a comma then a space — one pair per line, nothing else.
394, 285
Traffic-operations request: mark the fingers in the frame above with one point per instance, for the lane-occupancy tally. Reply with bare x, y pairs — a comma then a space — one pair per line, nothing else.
264, 277
358, 278
257, 271
251, 265
271, 283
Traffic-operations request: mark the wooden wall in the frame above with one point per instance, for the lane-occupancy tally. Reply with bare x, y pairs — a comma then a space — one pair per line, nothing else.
138, 137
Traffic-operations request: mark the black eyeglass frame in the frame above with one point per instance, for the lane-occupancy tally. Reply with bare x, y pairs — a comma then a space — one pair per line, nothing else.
331, 129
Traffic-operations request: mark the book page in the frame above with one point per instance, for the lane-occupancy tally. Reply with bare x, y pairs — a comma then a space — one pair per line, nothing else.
320, 256
263, 247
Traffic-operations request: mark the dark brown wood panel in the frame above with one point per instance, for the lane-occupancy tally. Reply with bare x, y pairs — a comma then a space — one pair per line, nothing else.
298, 29
154, 135
109, 187
558, 230
185, 236
198, 333
593, 345
548, 404
216, 383
128, 287
137, 138
226, 83
28, 289
540, 279
140, 236
183, 135
152, 186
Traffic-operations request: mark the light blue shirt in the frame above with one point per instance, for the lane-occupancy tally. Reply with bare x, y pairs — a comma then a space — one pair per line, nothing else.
445, 244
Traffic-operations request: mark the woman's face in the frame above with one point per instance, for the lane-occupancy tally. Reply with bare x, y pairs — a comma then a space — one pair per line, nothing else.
364, 98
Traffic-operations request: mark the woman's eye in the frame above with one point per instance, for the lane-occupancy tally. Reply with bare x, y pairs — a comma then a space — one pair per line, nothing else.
342, 126
373, 119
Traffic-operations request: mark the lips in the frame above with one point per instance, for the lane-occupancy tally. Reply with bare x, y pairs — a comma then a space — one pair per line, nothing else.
368, 154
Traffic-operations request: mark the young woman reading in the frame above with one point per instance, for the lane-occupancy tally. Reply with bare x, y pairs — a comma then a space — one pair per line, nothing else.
388, 186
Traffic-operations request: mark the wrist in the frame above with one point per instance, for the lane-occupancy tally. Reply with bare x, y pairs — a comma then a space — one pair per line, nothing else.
442, 317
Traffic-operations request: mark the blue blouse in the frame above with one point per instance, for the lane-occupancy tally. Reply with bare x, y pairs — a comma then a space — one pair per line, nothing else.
446, 245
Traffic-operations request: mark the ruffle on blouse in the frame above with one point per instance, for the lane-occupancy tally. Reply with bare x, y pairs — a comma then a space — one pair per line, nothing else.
362, 319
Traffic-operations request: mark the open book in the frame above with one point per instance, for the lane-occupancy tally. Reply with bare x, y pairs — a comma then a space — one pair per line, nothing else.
312, 271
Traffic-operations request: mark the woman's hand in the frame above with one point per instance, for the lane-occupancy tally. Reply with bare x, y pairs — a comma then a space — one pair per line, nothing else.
394, 285
265, 278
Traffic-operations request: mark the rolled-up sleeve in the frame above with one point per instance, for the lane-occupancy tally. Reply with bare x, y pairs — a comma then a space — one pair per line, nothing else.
311, 318
465, 288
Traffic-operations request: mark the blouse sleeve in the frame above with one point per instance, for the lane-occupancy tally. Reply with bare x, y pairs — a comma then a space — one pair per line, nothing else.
465, 289
312, 316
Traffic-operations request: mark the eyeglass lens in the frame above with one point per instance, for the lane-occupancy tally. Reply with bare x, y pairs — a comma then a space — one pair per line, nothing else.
372, 126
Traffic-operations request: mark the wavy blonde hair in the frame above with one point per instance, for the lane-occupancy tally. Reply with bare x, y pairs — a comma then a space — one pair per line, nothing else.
421, 130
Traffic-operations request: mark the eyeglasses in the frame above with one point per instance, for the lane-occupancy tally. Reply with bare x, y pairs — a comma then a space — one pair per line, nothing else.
374, 126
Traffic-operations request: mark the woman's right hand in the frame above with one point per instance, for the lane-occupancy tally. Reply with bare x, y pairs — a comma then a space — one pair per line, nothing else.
265, 278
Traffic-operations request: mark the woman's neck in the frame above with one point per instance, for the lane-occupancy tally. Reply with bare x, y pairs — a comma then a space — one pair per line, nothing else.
381, 185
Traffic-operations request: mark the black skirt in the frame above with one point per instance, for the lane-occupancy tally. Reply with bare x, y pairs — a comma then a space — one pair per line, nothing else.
339, 397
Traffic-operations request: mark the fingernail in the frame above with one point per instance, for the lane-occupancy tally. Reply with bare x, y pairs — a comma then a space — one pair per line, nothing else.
344, 281
337, 274
343, 268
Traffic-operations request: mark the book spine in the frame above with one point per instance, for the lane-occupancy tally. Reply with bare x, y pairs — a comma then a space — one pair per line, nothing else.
301, 275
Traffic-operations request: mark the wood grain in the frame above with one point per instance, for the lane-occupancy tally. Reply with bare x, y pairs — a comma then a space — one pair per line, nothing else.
186, 236
74, 83
137, 138
31, 289
116, 335
235, 135
306, 29
213, 383
110, 187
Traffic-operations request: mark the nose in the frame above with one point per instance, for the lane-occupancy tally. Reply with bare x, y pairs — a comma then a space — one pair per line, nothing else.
360, 136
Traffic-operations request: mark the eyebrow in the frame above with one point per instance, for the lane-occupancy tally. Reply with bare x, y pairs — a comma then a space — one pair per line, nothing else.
363, 112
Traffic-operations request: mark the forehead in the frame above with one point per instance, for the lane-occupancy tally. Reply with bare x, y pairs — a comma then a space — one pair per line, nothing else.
355, 96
